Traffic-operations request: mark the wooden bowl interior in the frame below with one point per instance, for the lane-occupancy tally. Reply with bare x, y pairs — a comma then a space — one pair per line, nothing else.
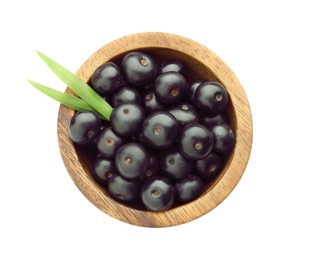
194, 70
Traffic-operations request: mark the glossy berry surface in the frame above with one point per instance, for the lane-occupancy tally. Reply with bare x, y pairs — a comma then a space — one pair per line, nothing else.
218, 119
211, 97
84, 126
170, 87
107, 78
159, 130
150, 102
209, 167
103, 169
172, 66
192, 89
174, 165
224, 137
139, 68
131, 160
157, 193
123, 189
126, 119
153, 168
124, 95
108, 142
184, 113
189, 188
196, 141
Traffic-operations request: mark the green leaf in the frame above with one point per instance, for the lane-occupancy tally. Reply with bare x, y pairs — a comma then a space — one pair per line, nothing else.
79, 87
68, 100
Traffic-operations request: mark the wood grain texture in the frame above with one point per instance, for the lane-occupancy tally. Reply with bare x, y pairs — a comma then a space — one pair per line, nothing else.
206, 65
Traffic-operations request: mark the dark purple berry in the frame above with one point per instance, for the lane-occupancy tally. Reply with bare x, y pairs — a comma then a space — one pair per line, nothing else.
131, 160
218, 119
84, 127
189, 188
192, 89
107, 78
126, 119
159, 130
172, 65
108, 142
147, 87
139, 68
211, 98
153, 166
184, 113
224, 137
196, 141
157, 193
103, 169
150, 102
123, 189
174, 165
209, 167
170, 87
124, 95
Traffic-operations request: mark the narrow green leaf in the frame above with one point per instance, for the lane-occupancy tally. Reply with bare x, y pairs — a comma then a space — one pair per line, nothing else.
79, 87
68, 100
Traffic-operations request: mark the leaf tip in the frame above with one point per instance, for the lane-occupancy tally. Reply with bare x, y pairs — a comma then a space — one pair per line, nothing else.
31, 82
40, 53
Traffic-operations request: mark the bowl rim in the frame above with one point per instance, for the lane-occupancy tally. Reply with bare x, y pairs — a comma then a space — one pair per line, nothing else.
233, 170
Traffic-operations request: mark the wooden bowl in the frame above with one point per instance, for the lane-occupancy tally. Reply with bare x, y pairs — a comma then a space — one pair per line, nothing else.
206, 65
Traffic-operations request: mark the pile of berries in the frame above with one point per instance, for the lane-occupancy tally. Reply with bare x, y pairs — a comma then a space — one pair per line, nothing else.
167, 138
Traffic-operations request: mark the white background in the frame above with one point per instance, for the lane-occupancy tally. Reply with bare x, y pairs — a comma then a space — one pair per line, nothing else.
266, 44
